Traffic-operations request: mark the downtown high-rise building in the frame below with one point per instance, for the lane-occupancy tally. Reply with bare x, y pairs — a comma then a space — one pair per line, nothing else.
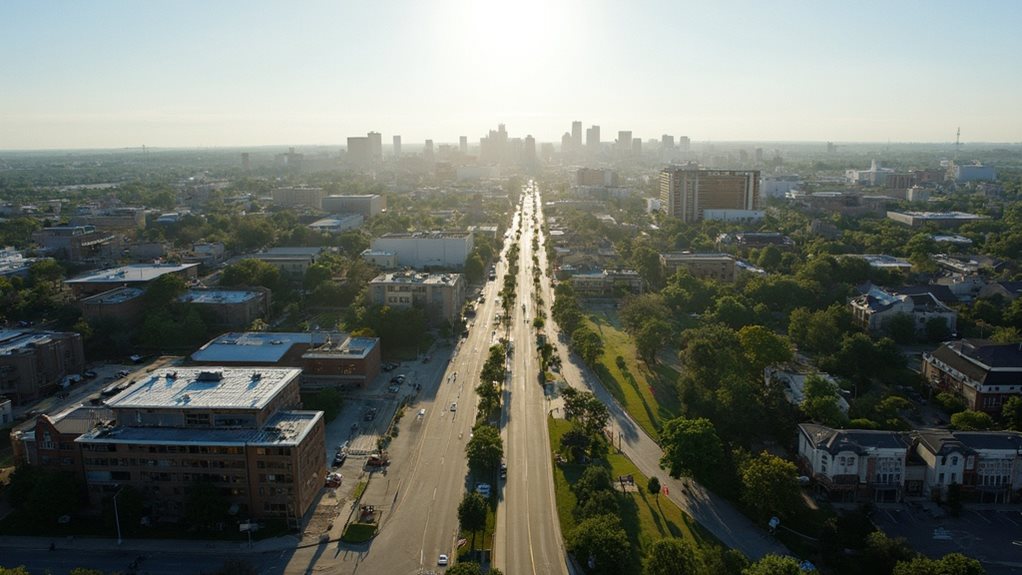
397, 146
624, 141
463, 145
375, 146
687, 192
593, 137
576, 135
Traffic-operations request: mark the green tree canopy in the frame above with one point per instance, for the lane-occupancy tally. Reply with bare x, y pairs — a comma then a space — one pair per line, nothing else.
770, 485
971, 420
691, 447
485, 449
601, 544
671, 556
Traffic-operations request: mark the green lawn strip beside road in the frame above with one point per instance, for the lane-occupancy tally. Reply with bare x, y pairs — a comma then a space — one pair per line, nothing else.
643, 517
649, 396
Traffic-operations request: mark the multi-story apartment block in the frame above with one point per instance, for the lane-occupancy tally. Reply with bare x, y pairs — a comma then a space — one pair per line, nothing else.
366, 205
294, 261
874, 309
440, 295
607, 283
852, 463
427, 249
230, 309
49, 440
719, 267
34, 363
298, 197
126, 218
237, 428
124, 304
686, 192
982, 373
77, 243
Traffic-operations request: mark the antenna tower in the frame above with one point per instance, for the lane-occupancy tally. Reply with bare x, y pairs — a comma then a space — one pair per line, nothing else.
958, 142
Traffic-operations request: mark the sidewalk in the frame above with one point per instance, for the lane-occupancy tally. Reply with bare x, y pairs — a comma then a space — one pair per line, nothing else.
143, 546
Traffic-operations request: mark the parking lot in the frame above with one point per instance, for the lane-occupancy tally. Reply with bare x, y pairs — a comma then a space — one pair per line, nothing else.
992, 534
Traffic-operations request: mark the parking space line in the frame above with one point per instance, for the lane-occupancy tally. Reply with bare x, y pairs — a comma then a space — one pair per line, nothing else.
1004, 515
980, 515
889, 514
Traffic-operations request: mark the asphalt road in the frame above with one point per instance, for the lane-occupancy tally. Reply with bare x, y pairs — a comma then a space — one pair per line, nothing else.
528, 537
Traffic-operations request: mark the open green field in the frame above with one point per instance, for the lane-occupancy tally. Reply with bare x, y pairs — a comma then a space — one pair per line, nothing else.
648, 395
645, 517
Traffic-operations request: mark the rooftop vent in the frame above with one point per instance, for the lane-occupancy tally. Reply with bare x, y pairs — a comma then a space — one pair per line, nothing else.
210, 376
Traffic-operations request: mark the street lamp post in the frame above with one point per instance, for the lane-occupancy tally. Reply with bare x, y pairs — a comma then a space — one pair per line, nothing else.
117, 516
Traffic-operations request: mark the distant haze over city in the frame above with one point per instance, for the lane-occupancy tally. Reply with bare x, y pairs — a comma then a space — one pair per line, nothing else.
193, 74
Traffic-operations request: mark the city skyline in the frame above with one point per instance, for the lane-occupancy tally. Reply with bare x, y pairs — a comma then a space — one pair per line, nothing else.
250, 74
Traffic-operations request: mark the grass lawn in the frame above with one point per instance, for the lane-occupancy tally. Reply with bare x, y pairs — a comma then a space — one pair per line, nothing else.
649, 396
644, 517
359, 532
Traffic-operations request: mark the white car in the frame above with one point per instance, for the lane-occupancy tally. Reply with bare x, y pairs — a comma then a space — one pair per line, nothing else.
442, 560
454, 406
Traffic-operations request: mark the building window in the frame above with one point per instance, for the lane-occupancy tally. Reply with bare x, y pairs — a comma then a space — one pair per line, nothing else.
940, 478
954, 461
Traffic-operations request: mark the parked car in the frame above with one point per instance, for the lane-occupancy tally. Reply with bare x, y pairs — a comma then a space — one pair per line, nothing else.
340, 458
334, 480
483, 489
454, 406
90, 374
503, 470
442, 560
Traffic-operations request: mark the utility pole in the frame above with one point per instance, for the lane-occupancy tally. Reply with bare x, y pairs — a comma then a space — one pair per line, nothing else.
117, 516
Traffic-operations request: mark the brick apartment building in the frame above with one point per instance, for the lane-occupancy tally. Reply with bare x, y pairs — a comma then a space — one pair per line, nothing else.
34, 363
237, 427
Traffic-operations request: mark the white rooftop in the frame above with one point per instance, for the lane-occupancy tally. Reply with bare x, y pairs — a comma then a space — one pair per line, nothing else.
206, 388
12, 341
130, 273
114, 296
415, 278
285, 428
214, 296
253, 346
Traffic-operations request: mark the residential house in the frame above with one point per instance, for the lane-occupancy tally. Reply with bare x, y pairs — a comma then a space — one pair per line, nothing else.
982, 373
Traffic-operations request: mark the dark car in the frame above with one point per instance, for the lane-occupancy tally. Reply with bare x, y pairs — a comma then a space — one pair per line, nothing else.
89, 374
340, 458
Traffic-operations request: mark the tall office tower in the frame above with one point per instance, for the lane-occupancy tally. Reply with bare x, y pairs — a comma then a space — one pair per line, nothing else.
397, 146
375, 146
565, 143
529, 151
666, 142
637, 146
684, 143
492, 147
624, 141
427, 150
593, 137
463, 144
576, 135
686, 192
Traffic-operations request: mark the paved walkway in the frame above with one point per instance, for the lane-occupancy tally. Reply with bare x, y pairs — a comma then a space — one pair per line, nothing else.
142, 546
713, 512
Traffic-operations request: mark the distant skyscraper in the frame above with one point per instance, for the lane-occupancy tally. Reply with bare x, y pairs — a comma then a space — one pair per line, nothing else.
463, 144
565, 143
397, 146
637, 146
529, 151
493, 147
624, 141
593, 137
358, 150
666, 142
375, 146
576, 134
244, 161
686, 192
427, 150
684, 143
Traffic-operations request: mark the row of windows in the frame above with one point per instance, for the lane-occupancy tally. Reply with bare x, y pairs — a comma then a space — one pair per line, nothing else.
132, 462
274, 478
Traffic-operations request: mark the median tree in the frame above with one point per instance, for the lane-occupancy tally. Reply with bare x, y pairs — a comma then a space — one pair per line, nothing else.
472, 514
691, 448
485, 450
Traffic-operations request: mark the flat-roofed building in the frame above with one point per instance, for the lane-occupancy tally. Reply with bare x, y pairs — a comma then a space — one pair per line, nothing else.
230, 309
34, 363
14, 263
380, 258
687, 192
294, 261
240, 429
366, 205
939, 219
124, 304
299, 196
337, 223
607, 283
134, 275
427, 249
883, 261
324, 357
702, 265
440, 295
77, 243
126, 218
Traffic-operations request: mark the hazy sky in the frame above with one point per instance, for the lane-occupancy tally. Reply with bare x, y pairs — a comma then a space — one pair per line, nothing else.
101, 73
